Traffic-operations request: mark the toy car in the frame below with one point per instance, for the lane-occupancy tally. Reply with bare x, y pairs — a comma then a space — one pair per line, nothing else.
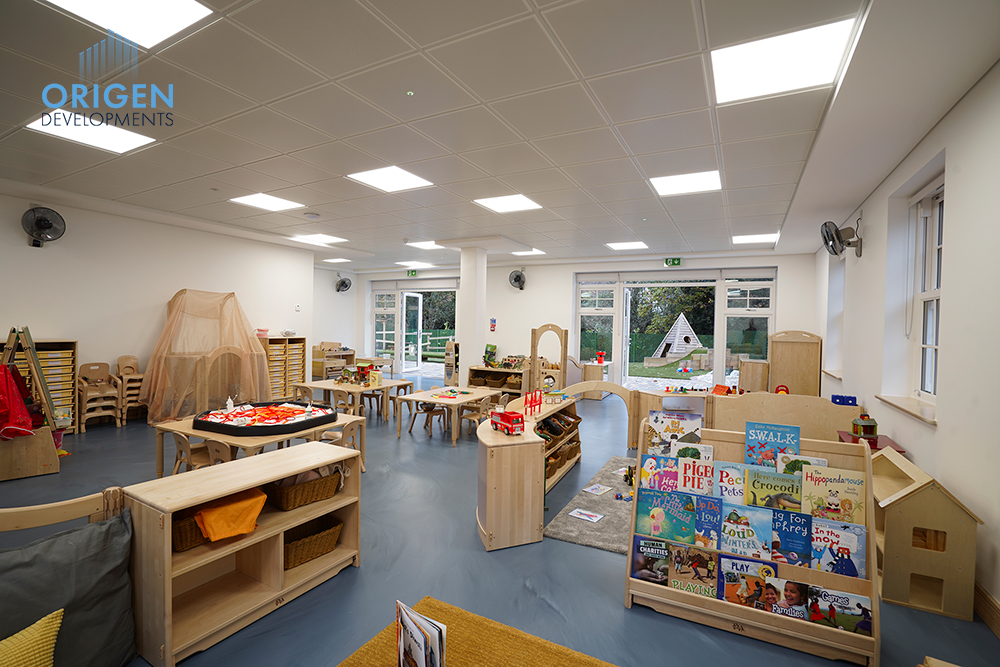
511, 423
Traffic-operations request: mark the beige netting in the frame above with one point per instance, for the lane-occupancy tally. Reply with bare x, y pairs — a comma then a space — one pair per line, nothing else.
206, 354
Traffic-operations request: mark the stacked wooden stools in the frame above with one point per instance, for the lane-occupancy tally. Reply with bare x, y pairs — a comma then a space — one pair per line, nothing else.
131, 383
100, 395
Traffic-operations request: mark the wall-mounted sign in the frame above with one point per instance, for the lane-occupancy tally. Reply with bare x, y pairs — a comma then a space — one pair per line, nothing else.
672, 261
411, 273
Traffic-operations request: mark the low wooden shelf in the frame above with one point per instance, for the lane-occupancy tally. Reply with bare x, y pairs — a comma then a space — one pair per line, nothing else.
478, 378
187, 601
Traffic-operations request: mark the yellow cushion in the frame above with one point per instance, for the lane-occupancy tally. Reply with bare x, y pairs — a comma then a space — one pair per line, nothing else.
33, 646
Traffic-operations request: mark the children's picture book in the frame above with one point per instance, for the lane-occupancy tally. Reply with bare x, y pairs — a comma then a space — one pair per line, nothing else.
695, 570
708, 521
729, 481
834, 493
839, 547
793, 597
765, 442
658, 472
597, 489
420, 641
666, 427
746, 531
592, 517
651, 560
741, 580
695, 476
849, 611
767, 488
665, 514
791, 538
689, 450
791, 464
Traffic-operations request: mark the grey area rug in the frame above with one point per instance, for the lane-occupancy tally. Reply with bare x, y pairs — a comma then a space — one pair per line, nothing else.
610, 533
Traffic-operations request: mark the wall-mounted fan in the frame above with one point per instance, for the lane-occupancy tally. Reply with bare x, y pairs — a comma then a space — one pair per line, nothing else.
42, 224
838, 240
343, 284
517, 279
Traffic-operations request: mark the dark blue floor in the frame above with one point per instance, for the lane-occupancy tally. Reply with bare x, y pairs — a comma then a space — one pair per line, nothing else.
419, 537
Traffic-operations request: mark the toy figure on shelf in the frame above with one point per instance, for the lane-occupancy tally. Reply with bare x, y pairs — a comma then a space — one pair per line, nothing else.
490, 357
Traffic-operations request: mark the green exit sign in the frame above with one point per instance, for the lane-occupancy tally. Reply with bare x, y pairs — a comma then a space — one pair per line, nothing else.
672, 261
411, 273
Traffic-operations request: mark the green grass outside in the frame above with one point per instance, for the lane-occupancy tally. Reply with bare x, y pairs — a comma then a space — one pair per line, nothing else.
636, 369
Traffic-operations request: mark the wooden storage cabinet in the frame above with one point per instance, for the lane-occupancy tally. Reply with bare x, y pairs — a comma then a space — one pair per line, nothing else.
569, 437
286, 364
59, 362
188, 601
483, 376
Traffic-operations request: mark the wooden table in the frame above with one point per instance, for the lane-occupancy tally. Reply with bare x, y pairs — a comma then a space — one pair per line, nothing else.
250, 444
378, 362
468, 395
354, 390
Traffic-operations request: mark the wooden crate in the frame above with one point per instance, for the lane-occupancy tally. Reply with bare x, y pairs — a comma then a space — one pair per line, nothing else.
753, 374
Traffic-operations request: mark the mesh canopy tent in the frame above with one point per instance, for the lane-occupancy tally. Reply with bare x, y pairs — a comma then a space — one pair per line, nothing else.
206, 354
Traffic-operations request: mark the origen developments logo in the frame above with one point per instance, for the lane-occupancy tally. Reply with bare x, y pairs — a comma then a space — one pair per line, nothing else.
89, 100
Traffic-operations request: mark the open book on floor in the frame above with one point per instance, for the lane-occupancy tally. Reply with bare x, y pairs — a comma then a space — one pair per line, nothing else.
419, 640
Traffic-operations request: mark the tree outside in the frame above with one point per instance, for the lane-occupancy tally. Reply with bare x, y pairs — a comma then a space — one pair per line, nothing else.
654, 310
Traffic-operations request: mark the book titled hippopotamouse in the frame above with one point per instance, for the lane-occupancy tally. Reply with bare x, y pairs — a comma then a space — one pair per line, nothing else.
834, 493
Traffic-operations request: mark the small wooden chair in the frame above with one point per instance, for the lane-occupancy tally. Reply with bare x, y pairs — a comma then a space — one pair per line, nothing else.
100, 394
430, 411
349, 436
374, 400
475, 413
194, 456
344, 401
502, 403
219, 452
130, 383
402, 390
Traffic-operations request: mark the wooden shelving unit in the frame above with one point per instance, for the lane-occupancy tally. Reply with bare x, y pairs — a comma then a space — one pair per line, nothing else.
286, 364
188, 601
59, 361
479, 375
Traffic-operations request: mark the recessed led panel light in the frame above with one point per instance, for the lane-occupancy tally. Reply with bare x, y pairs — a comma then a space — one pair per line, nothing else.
318, 239
145, 22
756, 238
338, 260
777, 64
629, 245
416, 265
390, 179
267, 202
685, 184
508, 204
78, 128
426, 245
533, 251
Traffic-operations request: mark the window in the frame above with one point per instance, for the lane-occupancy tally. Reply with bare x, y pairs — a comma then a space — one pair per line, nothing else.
597, 321
927, 305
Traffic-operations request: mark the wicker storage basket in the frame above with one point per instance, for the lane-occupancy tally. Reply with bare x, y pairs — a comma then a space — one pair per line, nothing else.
289, 497
571, 449
311, 540
551, 466
496, 380
514, 381
476, 380
185, 534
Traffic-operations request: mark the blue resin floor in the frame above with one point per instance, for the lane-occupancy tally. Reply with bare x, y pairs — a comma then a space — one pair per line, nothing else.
419, 537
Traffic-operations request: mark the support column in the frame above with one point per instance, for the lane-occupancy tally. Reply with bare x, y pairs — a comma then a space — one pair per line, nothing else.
470, 304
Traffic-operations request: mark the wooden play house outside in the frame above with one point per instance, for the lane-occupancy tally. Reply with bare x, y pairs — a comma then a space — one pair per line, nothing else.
925, 539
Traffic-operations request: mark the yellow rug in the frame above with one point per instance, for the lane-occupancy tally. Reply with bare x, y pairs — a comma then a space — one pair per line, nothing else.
474, 641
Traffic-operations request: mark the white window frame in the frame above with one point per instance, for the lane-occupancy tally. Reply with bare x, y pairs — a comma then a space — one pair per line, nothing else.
928, 210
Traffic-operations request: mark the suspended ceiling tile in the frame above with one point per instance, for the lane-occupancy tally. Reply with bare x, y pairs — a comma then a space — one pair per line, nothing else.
126, 182
450, 17
253, 224
423, 215
85, 187
687, 161
652, 217
396, 145
466, 130
250, 67
532, 216
775, 174
669, 133
550, 226
173, 157
692, 214
580, 211
385, 203
150, 200
217, 144
770, 150
754, 226
302, 195
194, 97
131, 164
540, 180
340, 158
769, 193
710, 245
339, 36
333, 110
271, 129
568, 197
34, 22
769, 220
585, 146
430, 196
604, 172
374, 221
454, 228
785, 114
513, 58
507, 159
18, 110
553, 111
644, 205
658, 90
343, 188
213, 189
444, 169
617, 192
594, 32
704, 228
186, 198
251, 180
44, 144
461, 209
280, 220
43, 165
700, 200
481, 188
27, 78
734, 21
218, 212
766, 208
289, 169
346, 209
24, 175
571, 237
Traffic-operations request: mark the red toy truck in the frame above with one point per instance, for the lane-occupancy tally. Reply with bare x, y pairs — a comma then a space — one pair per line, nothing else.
511, 423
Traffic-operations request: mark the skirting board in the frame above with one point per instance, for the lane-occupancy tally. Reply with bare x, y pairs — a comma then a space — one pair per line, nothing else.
988, 608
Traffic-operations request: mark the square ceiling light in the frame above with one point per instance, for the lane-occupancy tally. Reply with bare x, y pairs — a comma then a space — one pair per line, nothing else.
318, 239
778, 64
426, 245
145, 22
338, 260
756, 238
266, 202
416, 265
533, 251
508, 204
686, 184
390, 179
75, 127
628, 245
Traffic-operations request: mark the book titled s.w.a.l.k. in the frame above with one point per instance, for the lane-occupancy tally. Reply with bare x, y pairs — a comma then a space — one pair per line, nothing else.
669, 515
666, 428
839, 547
658, 472
420, 641
834, 493
746, 531
767, 488
764, 442
791, 538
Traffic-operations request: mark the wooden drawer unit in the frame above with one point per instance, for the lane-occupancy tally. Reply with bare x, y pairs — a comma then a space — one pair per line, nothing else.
285, 364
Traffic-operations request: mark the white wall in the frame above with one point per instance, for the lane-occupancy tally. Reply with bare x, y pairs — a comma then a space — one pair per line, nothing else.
335, 313
106, 283
961, 451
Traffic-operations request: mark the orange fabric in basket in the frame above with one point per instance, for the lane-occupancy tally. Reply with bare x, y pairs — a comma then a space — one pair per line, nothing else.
232, 515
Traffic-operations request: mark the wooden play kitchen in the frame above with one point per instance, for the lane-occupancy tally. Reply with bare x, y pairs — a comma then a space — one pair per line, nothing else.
190, 600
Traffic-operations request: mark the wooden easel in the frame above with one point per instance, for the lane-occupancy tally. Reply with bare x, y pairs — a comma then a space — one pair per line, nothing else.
29, 455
